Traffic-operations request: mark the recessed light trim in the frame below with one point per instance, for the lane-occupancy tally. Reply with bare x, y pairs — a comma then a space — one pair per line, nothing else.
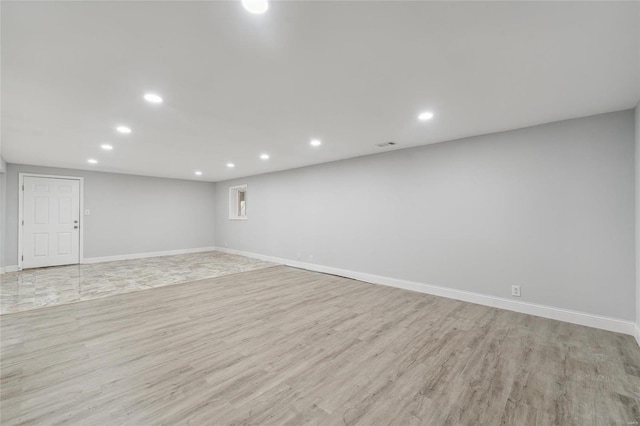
230, 165
198, 173
257, 7
424, 116
106, 147
92, 161
123, 129
315, 142
152, 98
264, 156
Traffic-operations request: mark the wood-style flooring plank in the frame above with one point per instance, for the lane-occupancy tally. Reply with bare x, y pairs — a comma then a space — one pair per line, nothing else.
287, 346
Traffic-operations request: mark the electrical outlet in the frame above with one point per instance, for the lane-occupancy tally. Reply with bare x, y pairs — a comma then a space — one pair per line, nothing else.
515, 290
310, 257
299, 256
225, 244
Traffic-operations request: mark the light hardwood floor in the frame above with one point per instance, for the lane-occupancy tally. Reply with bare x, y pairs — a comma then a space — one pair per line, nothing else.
286, 346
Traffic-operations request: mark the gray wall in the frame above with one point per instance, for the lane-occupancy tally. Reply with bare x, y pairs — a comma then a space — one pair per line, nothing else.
637, 121
549, 208
3, 209
129, 214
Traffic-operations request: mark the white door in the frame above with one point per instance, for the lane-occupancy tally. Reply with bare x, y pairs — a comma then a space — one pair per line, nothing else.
51, 222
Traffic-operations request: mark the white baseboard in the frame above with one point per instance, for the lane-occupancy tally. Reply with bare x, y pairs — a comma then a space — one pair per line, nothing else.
145, 255
132, 256
10, 268
559, 314
636, 333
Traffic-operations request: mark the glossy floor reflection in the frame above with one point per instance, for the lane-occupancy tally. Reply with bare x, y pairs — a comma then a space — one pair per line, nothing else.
41, 287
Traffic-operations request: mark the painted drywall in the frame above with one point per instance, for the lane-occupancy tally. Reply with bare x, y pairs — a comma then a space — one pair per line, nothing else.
3, 211
637, 123
549, 208
128, 214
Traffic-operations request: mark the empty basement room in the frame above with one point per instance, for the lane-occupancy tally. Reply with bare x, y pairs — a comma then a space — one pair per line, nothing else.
262, 212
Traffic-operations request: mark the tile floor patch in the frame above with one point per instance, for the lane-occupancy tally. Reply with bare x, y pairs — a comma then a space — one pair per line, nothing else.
40, 287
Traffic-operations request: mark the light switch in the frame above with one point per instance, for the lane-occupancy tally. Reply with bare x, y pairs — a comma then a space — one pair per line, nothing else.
87, 212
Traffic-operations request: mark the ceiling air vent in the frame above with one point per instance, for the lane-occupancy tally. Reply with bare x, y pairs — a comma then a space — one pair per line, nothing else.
386, 144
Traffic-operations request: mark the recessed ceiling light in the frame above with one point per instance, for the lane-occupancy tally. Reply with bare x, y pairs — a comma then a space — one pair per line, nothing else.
123, 129
198, 172
264, 156
92, 161
106, 147
256, 6
315, 142
152, 98
231, 165
425, 116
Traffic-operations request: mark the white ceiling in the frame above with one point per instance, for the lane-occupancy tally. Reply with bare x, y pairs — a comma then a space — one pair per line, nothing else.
353, 74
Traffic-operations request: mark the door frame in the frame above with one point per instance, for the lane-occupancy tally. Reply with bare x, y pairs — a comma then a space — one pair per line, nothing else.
21, 177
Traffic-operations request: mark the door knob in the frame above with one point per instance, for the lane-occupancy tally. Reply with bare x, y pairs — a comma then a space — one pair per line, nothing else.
75, 227
75, 221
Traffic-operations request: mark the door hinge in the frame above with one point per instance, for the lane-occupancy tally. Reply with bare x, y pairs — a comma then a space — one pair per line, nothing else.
23, 187
23, 223
23, 258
